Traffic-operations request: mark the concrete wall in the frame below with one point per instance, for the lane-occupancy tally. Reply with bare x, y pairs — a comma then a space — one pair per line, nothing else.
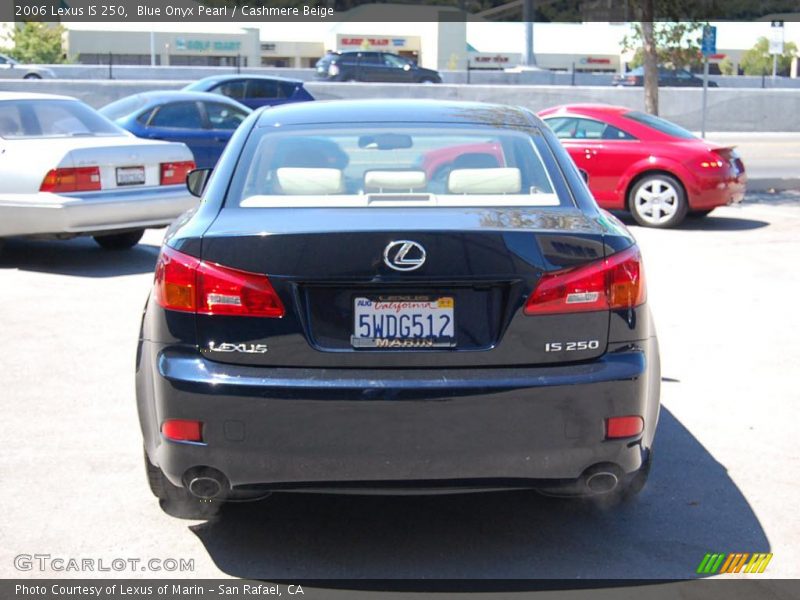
485, 77
728, 109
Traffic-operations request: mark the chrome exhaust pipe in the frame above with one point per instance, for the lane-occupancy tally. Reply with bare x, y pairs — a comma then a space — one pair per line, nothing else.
602, 482
205, 483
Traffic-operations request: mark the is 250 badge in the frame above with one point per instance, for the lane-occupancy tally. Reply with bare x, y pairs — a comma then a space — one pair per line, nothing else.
571, 346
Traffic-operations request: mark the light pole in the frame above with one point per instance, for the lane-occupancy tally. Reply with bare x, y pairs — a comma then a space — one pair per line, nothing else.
528, 57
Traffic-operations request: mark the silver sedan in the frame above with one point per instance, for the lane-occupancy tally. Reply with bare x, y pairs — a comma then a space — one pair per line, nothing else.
65, 170
11, 69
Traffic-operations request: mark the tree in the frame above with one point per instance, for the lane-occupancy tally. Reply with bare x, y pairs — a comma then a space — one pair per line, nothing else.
37, 43
677, 44
758, 60
673, 43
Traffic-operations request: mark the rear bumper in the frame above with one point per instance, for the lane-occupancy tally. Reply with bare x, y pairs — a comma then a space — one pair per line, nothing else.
713, 192
89, 212
412, 429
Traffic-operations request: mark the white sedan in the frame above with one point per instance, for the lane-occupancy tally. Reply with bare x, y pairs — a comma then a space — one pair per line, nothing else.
65, 170
11, 69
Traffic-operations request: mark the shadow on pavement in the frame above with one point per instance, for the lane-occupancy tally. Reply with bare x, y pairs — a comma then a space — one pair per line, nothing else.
689, 507
80, 257
712, 222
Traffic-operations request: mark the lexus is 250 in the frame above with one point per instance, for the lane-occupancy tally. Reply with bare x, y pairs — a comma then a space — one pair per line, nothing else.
338, 317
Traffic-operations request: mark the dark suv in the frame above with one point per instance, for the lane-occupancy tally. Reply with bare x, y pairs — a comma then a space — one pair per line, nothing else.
373, 66
666, 78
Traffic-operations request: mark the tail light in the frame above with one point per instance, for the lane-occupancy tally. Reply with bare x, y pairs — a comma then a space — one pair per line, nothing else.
623, 427
173, 173
182, 430
187, 284
79, 179
714, 163
614, 283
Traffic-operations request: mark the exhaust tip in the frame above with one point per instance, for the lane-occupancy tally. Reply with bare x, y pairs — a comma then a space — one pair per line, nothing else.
602, 482
205, 483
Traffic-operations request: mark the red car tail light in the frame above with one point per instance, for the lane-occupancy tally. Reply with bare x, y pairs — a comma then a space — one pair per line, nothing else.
173, 173
187, 284
614, 283
78, 179
182, 430
711, 164
623, 427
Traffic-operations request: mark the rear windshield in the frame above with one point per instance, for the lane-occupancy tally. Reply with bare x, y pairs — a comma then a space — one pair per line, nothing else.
124, 107
660, 125
393, 166
52, 118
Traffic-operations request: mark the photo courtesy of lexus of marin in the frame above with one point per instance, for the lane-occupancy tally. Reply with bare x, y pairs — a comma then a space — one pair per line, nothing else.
377, 296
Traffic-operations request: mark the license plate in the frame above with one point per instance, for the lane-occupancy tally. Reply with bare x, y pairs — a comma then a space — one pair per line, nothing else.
404, 323
130, 175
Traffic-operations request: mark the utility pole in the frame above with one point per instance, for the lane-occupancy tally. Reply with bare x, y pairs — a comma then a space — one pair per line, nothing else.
528, 57
709, 48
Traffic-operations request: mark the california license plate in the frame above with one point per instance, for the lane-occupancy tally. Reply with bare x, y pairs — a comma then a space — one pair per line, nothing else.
130, 175
403, 323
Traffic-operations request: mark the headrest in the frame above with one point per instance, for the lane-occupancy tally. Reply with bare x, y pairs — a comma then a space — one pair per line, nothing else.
502, 180
309, 182
394, 181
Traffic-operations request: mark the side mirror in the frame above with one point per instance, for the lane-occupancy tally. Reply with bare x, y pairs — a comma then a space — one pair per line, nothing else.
196, 181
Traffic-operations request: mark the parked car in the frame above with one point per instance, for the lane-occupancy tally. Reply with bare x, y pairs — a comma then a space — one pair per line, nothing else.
329, 319
11, 69
202, 121
66, 170
373, 66
638, 162
666, 78
254, 91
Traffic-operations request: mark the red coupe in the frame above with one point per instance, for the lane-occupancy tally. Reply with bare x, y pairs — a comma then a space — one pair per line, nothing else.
637, 162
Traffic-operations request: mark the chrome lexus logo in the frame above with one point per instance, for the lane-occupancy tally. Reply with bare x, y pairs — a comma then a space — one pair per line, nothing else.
404, 255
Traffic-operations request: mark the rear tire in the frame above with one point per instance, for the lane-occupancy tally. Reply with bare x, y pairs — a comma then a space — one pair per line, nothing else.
177, 501
32, 76
119, 241
658, 200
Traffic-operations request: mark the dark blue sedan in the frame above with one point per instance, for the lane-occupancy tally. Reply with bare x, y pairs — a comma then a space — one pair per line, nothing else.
204, 122
254, 91
332, 318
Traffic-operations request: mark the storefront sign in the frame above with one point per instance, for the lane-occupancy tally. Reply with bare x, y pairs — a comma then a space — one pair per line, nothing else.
189, 45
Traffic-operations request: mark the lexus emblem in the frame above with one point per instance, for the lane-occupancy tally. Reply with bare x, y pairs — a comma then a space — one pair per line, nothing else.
404, 255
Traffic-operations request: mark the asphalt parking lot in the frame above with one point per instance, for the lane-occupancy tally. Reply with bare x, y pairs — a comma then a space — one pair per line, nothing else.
724, 291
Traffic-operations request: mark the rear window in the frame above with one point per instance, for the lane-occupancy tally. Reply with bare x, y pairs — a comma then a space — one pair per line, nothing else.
52, 118
660, 125
124, 107
393, 166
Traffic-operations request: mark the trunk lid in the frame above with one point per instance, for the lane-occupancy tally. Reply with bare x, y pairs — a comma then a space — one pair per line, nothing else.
321, 262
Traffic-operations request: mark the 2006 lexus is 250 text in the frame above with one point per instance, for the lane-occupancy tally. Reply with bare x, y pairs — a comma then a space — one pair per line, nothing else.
396, 296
